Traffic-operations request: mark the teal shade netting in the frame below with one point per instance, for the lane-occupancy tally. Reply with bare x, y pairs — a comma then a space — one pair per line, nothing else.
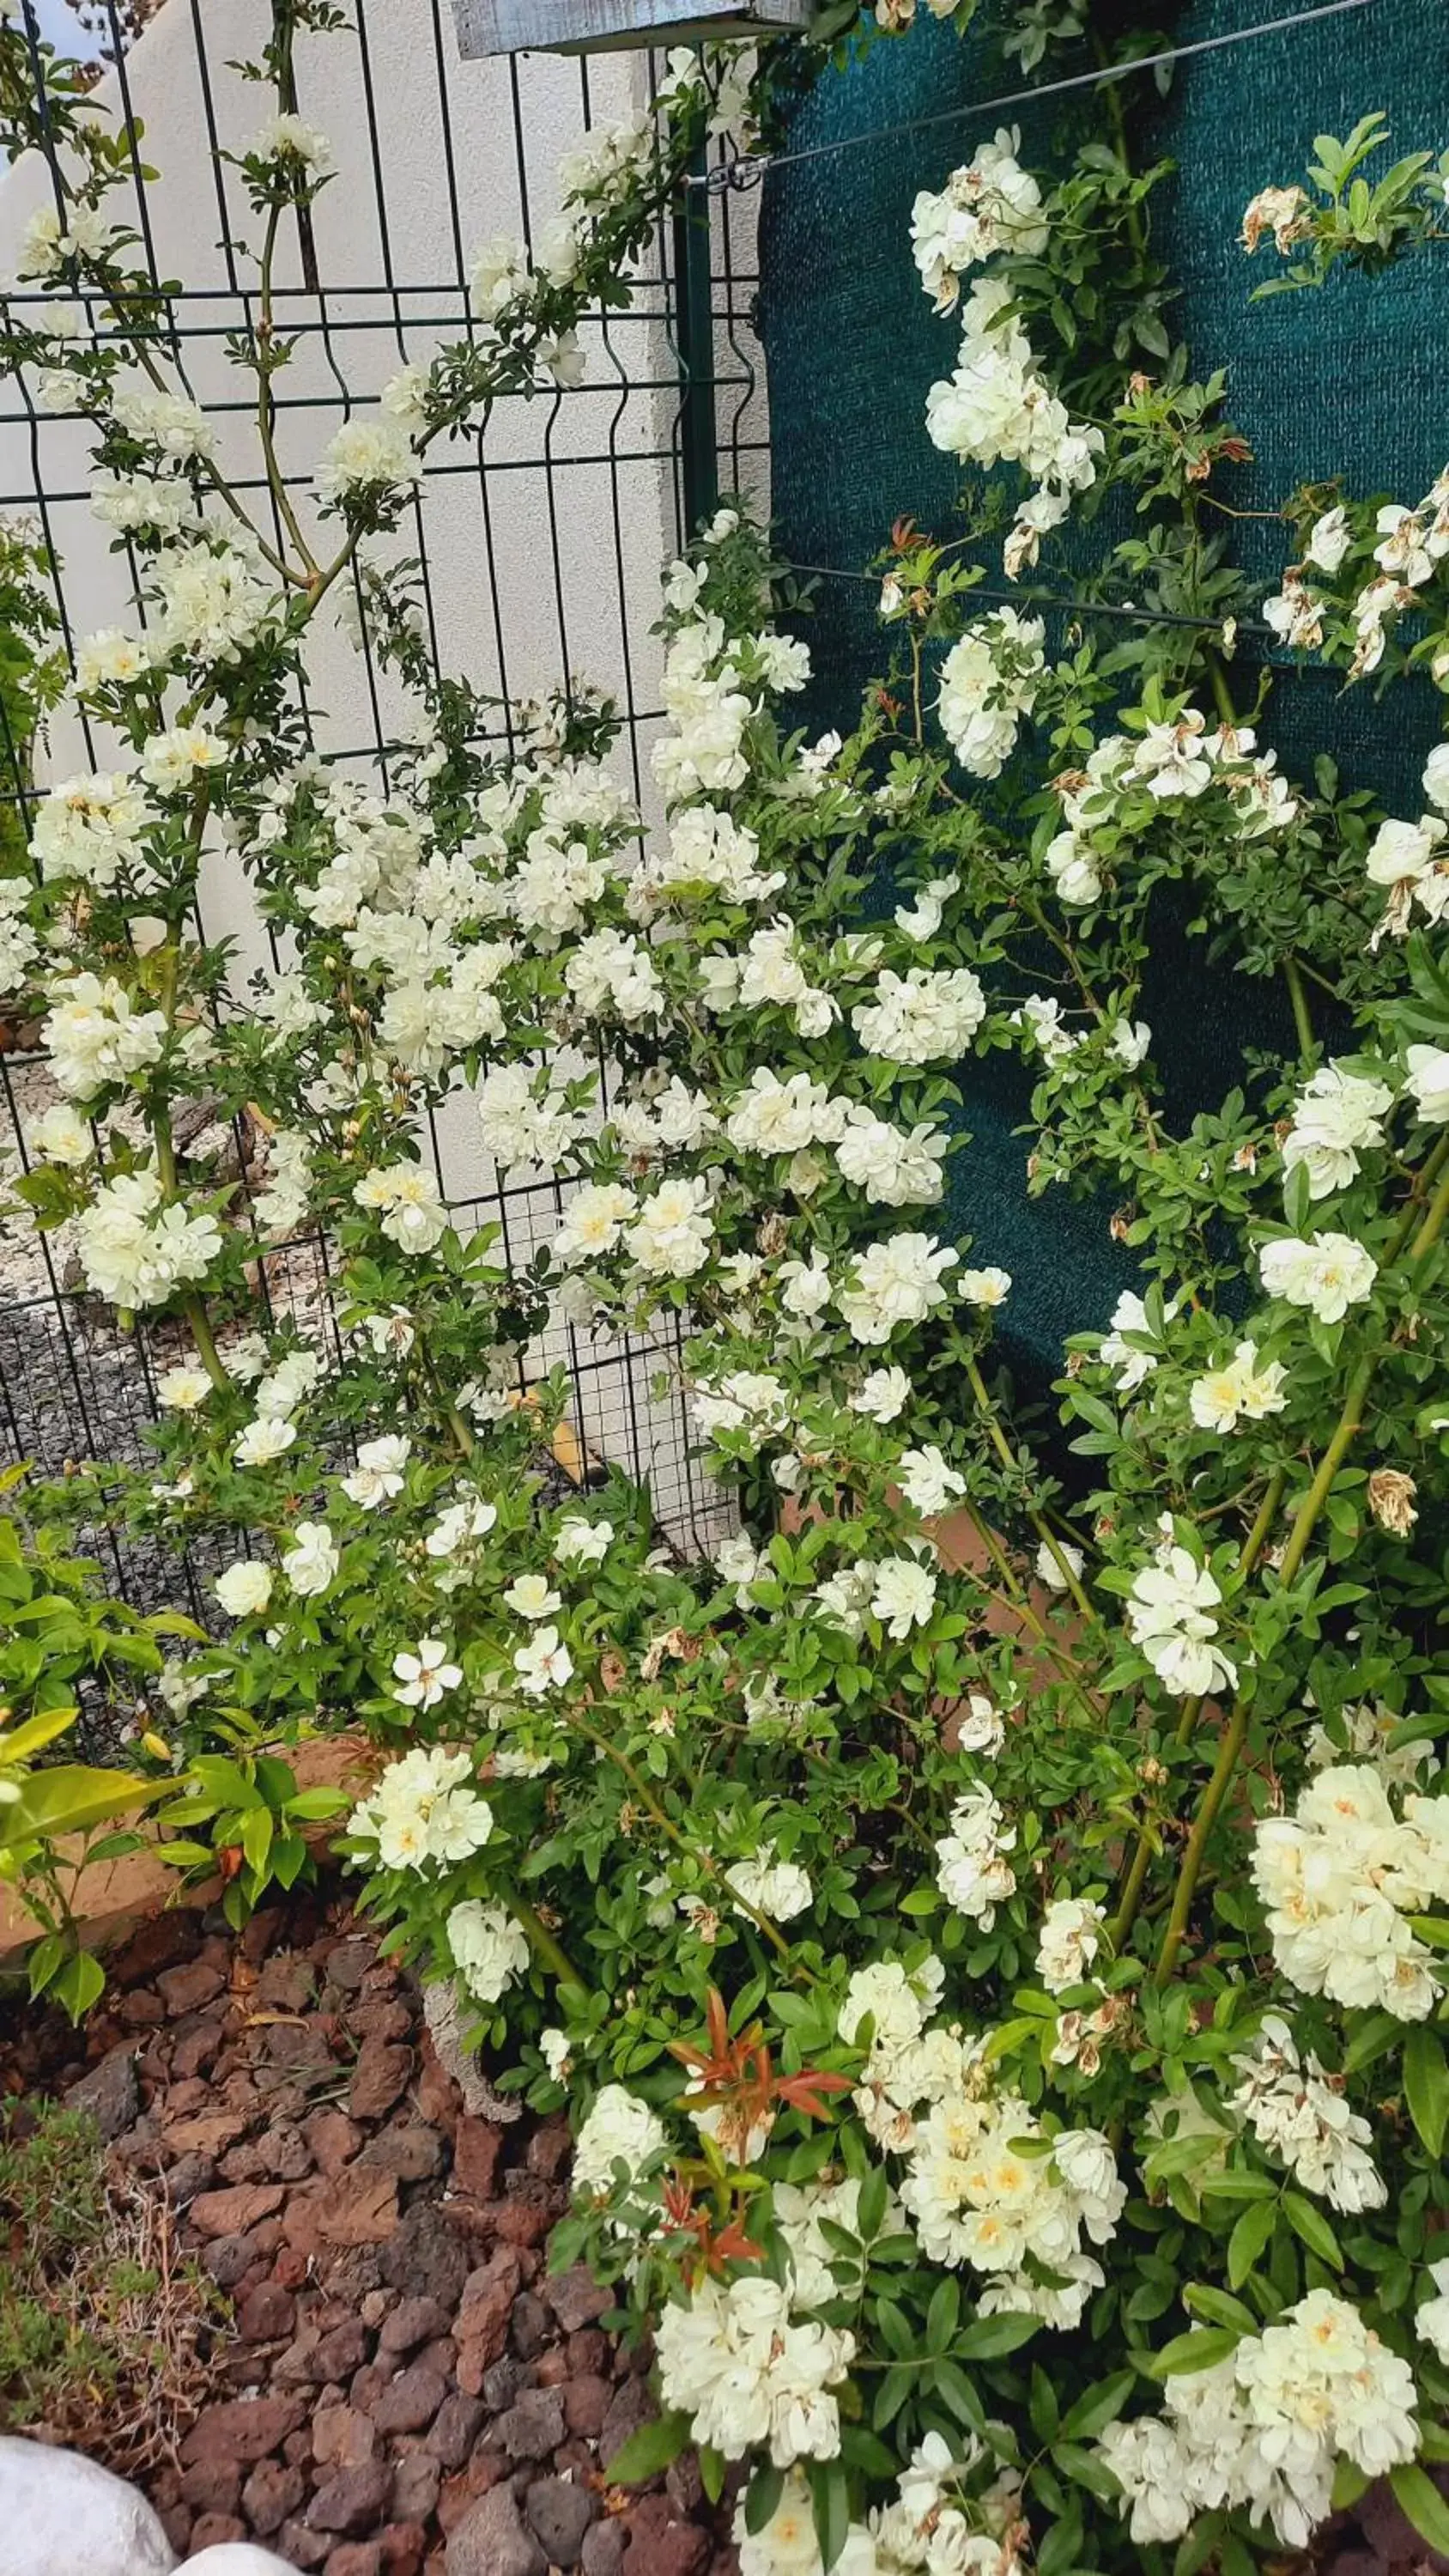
1350, 381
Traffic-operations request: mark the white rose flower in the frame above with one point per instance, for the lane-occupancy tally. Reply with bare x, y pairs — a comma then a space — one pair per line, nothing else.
1436, 777
263, 1440
313, 1558
181, 1390
1329, 1273
490, 1950
378, 1475
1428, 1082
777, 1888
619, 2129
61, 1135
989, 1287
532, 1596
904, 1595
424, 1675
1071, 1936
1239, 1392
1329, 540
882, 1394
927, 1482
544, 1664
577, 1541
244, 1587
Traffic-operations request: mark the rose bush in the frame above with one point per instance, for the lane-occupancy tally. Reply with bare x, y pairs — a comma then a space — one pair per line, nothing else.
988, 1916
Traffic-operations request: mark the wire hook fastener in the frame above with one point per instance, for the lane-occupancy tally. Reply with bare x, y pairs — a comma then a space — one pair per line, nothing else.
745, 170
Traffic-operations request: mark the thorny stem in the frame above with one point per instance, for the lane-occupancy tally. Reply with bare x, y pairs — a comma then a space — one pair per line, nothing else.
1297, 995
193, 1307
266, 408
1019, 1603
1136, 1879
542, 1941
1003, 1449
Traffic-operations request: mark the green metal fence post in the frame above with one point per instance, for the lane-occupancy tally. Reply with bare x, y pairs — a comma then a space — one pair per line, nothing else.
693, 318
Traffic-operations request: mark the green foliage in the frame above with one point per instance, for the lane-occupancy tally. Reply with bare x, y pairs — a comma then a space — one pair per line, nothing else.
997, 1924
32, 672
60, 1639
1364, 220
101, 2322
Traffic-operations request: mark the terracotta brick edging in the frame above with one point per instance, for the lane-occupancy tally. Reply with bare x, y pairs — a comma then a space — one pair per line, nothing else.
111, 1896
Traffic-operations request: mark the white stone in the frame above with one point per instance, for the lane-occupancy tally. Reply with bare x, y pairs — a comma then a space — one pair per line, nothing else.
61, 2514
235, 2558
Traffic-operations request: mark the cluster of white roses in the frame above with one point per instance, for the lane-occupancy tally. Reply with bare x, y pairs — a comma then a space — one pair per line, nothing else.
1170, 1618
934, 2526
988, 683
997, 407
750, 2374
987, 2187
973, 1871
990, 204
489, 1948
1266, 2427
136, 1248
1337, 1118
1174, 762
94, 1036
1300, 2116
1339, 1880
1411, 861
422, 1811
1412, 544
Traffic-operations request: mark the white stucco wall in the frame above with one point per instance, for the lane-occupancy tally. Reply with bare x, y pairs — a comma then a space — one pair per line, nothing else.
499, 516
543, 538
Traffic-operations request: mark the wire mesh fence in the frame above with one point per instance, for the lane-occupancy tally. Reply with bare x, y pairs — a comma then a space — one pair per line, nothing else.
537, 543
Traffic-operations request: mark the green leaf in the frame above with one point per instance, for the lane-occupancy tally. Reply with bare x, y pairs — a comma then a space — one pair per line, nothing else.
1099, 2408
36, 1732
45, 1961
1426, 2085
71, 1798
861, 2450
1086, 2469
761, 2497
1248, 2239
1201, 2300
950, 2383
1416, 2492
81, 1983
943, 2314
1044, 2411
991, 2337
1195, 2351
1313, 2227
256, 1837
649, 2449
312, 1806
830, 2497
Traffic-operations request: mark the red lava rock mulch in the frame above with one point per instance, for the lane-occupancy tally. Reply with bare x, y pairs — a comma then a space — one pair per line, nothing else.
407, 2391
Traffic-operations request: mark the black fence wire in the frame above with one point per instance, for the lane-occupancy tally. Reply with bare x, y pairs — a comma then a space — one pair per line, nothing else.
537, 541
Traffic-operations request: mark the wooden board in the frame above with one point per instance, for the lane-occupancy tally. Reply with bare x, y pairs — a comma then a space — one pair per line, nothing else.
606, 26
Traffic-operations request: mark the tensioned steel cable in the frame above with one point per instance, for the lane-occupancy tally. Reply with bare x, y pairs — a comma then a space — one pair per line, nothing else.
748, 169
1054, 604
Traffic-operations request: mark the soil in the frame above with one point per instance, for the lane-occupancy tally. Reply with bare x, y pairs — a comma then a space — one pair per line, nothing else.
406, 2389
